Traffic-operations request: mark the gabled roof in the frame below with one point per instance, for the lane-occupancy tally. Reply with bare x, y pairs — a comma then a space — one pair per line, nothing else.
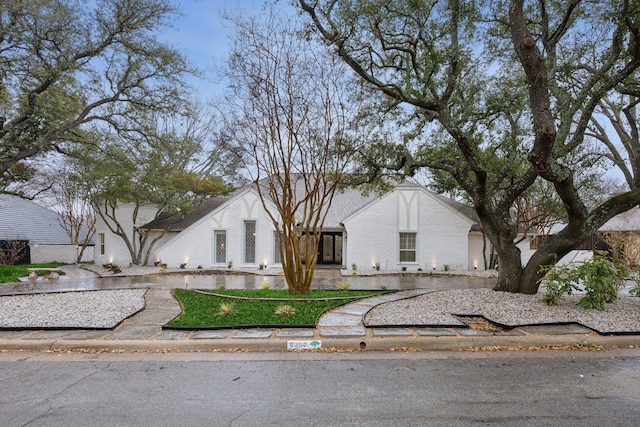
345, 203
180, 222
465, 210
626, 221
21, 219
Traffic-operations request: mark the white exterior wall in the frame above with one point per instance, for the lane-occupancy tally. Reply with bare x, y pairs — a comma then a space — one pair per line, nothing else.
476, 258
115, 250
373, 233
195, 246
59, 253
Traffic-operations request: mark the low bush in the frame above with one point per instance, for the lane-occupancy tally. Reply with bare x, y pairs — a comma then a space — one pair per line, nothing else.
600, 278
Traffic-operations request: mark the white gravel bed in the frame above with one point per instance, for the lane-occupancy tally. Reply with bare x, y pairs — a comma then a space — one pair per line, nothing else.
437, 308
95, 309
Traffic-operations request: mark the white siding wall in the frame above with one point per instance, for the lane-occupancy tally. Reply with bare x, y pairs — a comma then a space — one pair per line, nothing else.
196, 245
373, 233
59, 253
115, 250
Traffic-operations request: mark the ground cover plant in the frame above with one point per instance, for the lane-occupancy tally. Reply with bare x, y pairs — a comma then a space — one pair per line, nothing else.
11, 273
269, 307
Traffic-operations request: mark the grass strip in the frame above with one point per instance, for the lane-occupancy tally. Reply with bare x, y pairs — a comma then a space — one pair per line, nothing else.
11, 273
205, 311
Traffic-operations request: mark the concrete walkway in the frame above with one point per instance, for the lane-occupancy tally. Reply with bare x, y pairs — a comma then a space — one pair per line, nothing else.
341, 328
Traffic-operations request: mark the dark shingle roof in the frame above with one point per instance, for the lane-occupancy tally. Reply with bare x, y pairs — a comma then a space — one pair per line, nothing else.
465, 210
180, 222
345, 203
21, 219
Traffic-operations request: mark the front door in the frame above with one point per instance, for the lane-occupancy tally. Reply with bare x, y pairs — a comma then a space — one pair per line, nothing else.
330, 248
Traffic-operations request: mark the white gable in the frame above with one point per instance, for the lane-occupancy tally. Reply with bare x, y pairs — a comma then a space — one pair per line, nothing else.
442, 233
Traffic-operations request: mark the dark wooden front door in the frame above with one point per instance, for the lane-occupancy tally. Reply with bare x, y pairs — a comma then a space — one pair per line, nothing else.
330, 248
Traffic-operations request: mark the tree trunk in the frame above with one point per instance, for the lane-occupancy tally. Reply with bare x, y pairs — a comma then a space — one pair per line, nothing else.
509, 268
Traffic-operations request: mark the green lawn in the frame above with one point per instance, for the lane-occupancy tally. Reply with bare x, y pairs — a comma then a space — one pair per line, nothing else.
11, 273
204, 311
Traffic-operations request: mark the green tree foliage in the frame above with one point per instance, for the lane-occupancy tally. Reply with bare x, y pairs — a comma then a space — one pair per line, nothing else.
497, 95
161, 169
66, 65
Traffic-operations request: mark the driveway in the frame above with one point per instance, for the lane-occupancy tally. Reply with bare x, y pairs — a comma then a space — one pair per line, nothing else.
78, 279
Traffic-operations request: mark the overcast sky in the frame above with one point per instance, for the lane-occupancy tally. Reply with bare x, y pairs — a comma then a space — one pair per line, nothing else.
204, 37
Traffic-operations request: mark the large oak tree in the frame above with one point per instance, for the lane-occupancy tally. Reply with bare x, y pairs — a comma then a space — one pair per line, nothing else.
498, 95
69, 65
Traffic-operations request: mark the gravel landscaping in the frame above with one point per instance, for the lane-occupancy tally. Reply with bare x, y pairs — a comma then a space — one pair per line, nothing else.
95, 309
438, 308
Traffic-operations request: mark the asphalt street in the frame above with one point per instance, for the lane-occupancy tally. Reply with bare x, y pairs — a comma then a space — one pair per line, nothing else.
315, 389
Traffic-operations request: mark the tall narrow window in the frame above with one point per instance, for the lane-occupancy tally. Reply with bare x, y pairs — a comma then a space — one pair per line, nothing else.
101, 237
407, 247
221, 246
249, 242
277, 242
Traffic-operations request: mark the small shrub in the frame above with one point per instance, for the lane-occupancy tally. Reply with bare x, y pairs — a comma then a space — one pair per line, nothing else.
419, 268
265, 285
377, 266
230, 264
183, 265
112, 268
404, 269
601, 278
635, 291
559, 280
343, 286
354, 266
285, 310
199, 267
447, 267
163, 267
227, 309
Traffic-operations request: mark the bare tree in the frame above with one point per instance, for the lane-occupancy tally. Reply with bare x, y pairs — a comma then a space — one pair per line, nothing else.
13, 252
75, 213
290, 123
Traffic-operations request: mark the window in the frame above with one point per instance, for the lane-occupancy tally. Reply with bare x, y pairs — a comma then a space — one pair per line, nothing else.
277, 242
221, 246
249, 242
407, 247
101, 238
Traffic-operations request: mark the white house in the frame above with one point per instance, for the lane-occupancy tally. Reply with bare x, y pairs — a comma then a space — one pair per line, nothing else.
111, 248
408, 227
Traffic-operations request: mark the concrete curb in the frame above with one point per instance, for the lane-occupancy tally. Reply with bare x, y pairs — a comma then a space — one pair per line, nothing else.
332, 344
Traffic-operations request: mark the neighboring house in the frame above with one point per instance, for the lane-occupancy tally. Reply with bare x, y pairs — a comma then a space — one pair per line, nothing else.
39, 230
619, 237
409, 227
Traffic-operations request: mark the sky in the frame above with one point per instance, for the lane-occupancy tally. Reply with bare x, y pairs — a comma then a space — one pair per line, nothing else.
203, 36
